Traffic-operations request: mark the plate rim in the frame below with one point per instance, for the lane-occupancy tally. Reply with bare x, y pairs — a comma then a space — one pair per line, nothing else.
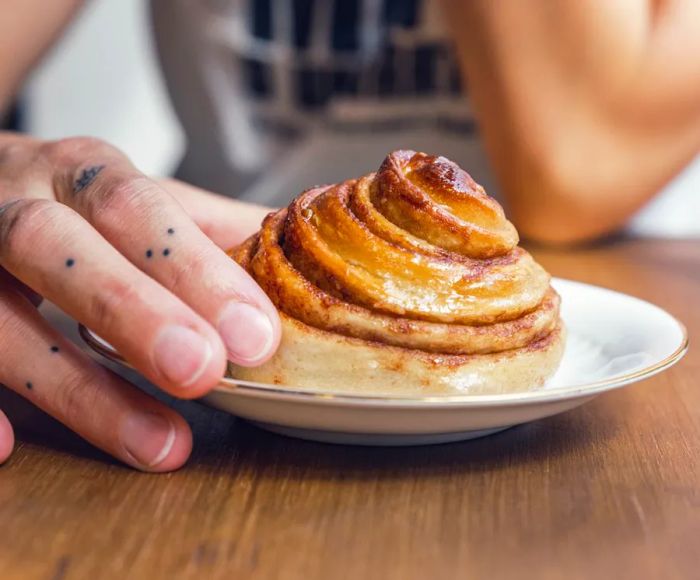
229, 385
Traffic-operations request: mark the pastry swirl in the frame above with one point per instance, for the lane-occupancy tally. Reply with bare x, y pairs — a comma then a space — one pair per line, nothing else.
409, 281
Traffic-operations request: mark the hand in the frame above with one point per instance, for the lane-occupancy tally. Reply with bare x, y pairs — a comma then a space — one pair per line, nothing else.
136, 261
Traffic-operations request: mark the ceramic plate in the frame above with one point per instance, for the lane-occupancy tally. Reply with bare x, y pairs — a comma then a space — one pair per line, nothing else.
613, 340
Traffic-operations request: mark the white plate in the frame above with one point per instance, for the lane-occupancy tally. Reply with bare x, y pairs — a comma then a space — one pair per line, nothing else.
613, 340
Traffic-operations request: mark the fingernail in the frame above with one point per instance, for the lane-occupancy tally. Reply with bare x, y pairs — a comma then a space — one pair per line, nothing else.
182, 355
246, 332
147, 437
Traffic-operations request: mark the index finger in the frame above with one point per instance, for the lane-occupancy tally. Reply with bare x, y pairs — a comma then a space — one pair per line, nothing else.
150, 228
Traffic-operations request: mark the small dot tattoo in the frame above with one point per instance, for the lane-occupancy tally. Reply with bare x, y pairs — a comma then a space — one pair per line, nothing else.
171, 231
149, 253
29, 385
87, 177
166, 252
70, 262
54, 349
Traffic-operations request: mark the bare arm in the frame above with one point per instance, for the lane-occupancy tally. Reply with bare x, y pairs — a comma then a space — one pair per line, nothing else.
587, 108
28, 28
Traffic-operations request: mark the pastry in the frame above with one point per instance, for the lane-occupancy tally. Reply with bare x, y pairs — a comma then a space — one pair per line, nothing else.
405, 282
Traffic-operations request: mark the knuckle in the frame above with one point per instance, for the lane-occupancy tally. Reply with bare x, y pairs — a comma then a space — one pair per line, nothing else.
187, 269
17, 150
20, 222
119, 197
72, 149
10, 320
74, 396
106, 307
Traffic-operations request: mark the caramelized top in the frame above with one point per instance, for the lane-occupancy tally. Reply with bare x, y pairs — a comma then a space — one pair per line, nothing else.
419, 239
437, 201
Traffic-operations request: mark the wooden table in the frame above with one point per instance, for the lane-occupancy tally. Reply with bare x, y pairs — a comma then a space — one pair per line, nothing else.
609, 490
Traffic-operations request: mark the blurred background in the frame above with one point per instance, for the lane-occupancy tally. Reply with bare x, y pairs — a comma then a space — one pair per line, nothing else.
79, 90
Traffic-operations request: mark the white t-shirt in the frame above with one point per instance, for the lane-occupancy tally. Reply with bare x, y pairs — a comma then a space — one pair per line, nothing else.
279, 95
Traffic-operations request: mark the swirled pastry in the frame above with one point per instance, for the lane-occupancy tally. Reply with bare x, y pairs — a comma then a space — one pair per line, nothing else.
407, 282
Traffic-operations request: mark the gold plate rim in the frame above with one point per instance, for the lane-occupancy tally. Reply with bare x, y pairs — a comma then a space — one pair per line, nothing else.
229, 385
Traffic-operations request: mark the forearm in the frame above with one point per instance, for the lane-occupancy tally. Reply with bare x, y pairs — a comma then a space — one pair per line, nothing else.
28, 28
587, 109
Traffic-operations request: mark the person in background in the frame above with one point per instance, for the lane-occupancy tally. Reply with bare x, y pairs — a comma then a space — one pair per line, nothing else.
584, 112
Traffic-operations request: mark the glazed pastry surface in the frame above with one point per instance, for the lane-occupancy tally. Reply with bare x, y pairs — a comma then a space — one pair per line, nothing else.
411, 280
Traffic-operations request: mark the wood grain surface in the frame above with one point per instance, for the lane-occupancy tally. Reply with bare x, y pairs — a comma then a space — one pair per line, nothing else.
609, 490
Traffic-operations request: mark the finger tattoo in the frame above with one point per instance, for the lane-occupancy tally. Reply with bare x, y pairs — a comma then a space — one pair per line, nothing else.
87, 177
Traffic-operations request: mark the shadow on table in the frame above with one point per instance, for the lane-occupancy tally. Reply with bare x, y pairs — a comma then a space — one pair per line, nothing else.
242, 446
272, 455
225, 446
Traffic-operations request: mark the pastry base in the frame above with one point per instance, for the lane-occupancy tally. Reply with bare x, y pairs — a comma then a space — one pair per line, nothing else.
317, 360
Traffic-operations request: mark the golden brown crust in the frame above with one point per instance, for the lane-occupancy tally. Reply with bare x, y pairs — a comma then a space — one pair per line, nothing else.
435, 200
303, 300
335, 250
414, 257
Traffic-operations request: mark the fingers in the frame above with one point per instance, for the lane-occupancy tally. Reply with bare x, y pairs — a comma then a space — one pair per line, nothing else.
56, 376
8, 280
49, 247
150, 228
227, 222
7, 438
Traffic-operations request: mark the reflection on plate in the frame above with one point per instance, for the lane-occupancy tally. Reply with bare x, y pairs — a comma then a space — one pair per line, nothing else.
613, 340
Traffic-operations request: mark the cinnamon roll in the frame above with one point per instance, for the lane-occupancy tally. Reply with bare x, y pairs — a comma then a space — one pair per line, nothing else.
405, 282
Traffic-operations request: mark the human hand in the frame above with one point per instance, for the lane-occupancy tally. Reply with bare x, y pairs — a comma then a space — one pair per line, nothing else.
137, 261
